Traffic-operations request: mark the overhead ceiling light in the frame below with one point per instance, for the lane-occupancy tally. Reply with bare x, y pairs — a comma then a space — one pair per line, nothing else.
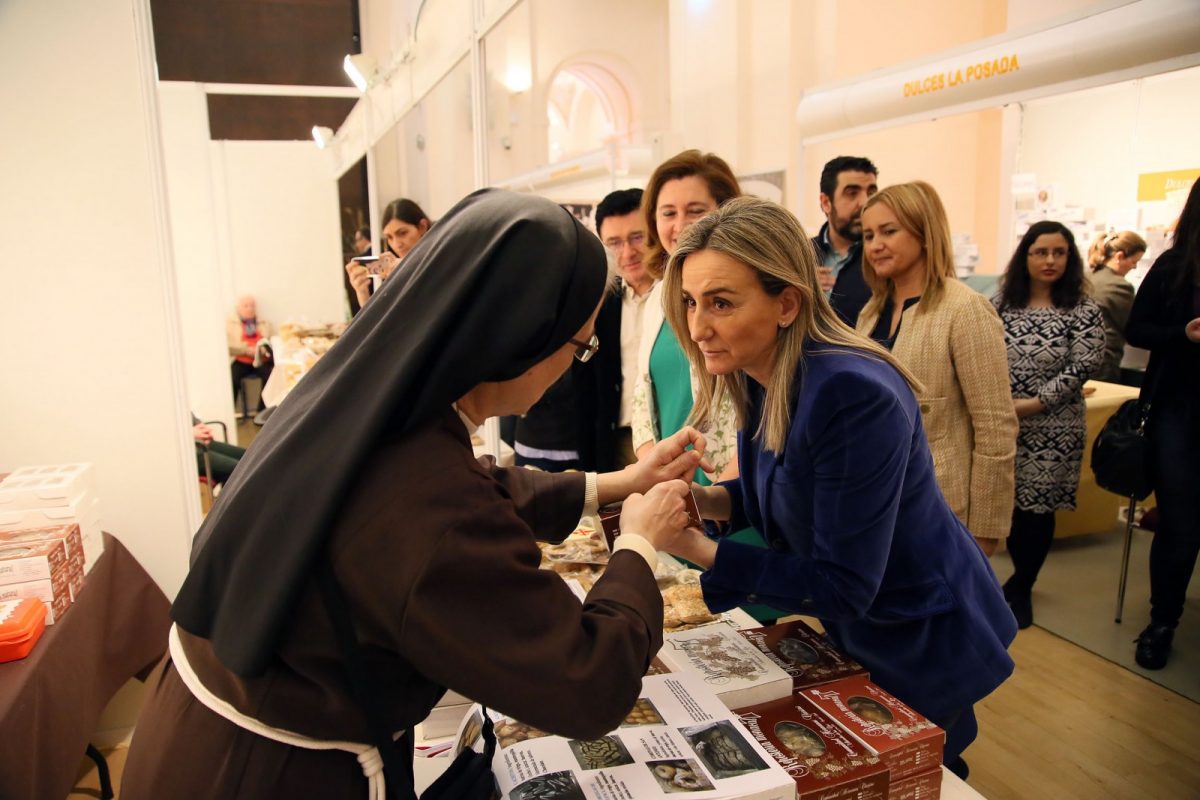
322, 136
361, 69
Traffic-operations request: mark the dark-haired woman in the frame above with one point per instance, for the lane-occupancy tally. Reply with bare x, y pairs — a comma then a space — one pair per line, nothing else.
431, 551
1055, 339
404, 223
1165, 319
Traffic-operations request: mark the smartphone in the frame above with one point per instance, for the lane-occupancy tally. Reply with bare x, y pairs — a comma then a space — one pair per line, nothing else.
370, 262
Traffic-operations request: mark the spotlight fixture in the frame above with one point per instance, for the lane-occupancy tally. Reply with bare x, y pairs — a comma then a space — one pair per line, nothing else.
322, 136
361, 69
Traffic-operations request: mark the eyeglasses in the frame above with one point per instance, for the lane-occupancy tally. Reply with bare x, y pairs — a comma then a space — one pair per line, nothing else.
1042, 252
635, 241
584, 352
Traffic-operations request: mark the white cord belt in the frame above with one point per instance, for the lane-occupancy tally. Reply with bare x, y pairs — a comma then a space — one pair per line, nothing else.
368, 756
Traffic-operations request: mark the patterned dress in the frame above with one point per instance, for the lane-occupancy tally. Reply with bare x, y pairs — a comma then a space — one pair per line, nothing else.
1051, 352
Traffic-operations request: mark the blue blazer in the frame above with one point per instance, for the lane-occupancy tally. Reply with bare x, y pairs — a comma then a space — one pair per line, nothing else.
859, 535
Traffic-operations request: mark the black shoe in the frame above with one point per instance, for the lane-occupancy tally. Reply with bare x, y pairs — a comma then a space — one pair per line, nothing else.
1154, 645
1022, 609
1021, 604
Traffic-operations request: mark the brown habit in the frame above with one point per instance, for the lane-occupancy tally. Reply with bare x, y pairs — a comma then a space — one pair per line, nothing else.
435, 551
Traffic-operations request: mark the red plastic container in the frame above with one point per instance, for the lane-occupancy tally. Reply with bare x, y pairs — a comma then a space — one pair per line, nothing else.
22, 623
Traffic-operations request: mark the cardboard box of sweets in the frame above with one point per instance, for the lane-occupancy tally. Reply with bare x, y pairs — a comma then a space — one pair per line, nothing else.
70, 540
926, 786
84, 511
803, 653
823, 759
44, 486
54, 592
34, 561
727, 663
902, 738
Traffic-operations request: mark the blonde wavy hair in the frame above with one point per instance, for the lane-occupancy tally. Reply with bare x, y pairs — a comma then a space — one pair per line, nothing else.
767, 238
920, 212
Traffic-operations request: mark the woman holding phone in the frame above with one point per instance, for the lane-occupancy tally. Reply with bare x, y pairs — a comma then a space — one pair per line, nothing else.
404, 223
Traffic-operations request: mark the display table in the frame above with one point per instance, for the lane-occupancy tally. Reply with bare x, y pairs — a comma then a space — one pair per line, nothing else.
51, 701
1095, 509
426, 771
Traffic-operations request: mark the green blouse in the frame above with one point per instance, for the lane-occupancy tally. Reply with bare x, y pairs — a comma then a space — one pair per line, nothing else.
671, 377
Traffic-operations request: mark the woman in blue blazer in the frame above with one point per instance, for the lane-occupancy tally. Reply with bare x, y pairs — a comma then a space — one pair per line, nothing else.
835, 473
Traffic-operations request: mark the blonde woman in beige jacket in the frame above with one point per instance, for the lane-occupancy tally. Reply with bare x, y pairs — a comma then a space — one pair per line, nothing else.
952, 340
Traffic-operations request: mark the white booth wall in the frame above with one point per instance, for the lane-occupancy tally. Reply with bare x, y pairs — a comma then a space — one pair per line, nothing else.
278, 203
92, 362
1093, 144
256, 218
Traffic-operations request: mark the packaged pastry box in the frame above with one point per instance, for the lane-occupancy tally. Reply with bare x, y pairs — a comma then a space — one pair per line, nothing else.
37, 569
925, 786
47, 486
84, 512
22, 623
31, 561
67, 535
44, 496
803, 653
902, 738
824, 760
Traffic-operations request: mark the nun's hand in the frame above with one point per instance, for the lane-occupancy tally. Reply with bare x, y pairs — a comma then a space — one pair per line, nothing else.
659, 515
674, 458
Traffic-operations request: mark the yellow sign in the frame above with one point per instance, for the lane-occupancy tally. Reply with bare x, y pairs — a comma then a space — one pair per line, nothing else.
1155, 185
980, 71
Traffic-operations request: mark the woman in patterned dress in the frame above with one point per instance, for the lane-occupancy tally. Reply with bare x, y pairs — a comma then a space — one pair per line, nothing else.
1055, 338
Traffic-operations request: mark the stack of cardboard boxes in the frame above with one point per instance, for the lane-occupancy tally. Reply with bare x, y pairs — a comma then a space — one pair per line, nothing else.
49, 534
834, 731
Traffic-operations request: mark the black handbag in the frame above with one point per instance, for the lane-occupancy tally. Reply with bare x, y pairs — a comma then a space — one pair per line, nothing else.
1120, 454
469, 776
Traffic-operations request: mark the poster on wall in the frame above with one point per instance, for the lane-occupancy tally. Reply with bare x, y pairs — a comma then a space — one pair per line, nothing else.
767, 185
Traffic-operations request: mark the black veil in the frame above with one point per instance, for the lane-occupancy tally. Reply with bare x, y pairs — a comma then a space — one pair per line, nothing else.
501, 282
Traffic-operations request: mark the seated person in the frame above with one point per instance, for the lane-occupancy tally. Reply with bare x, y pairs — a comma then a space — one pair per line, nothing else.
222, 457
243, 334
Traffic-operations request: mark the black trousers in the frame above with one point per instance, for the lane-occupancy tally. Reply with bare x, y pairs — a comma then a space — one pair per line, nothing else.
240, 369
1175, 461
1028, 544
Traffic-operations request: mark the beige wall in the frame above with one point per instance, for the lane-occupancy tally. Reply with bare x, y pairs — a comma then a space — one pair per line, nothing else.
91, 357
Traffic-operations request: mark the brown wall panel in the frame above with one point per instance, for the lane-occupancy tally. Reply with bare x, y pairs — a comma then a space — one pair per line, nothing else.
294, 42
267, 117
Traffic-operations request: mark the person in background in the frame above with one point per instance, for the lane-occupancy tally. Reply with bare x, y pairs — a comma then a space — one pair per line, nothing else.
606, 384
547, 436
408, 551
682, 190
951, 339
1111, 257
362, 241
835, 472
1165, 319
1055, 338
243, 334
403, 224
847, 182
360, 245
222, 457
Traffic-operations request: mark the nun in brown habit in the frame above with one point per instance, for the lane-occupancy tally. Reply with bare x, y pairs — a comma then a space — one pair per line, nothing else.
365, 474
